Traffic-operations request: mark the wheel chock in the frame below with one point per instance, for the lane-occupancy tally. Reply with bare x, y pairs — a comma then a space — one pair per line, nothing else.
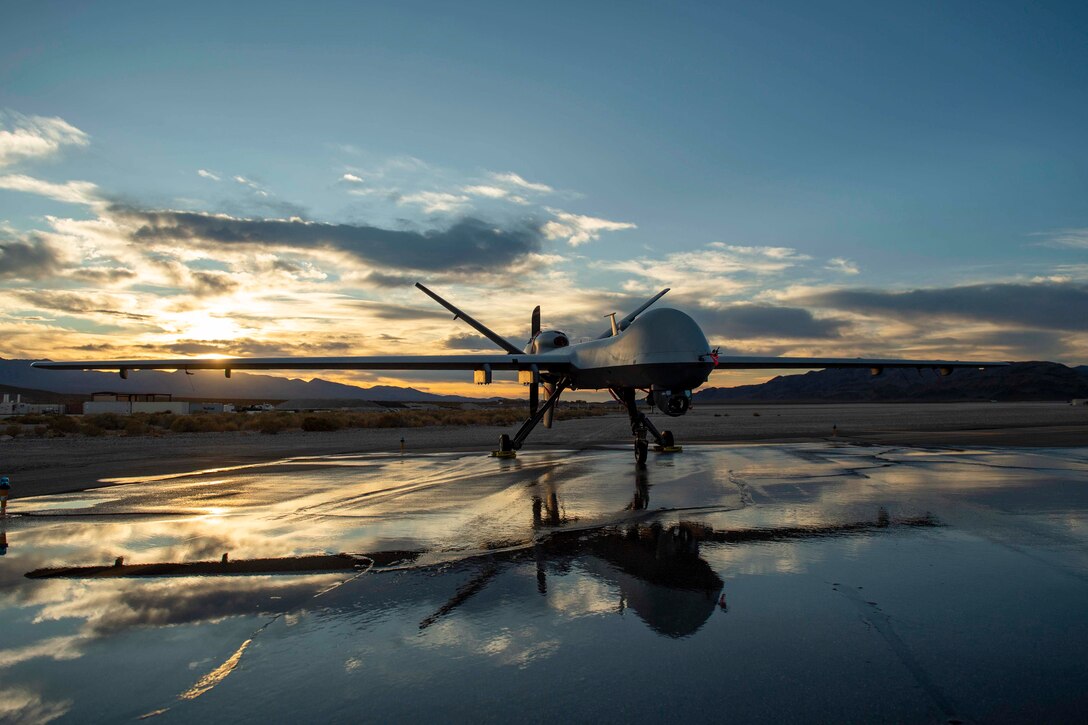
504, 454
668, 449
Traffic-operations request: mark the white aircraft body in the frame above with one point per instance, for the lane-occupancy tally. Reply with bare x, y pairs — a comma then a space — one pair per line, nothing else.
661, 351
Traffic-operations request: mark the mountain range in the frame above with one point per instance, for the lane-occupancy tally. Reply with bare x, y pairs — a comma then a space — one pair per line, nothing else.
1018, 381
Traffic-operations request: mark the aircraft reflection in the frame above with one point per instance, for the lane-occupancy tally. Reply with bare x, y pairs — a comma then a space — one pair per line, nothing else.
547, 514
655, 570
651, 566
641, 501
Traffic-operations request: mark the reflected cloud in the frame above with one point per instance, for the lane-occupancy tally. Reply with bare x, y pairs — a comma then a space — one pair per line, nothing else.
108, 608
22, 705
57, 648
516, 563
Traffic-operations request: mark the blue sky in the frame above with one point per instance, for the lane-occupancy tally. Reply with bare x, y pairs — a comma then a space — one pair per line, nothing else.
831, 178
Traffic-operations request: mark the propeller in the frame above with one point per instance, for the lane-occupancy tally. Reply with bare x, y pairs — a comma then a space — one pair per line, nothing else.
534, 388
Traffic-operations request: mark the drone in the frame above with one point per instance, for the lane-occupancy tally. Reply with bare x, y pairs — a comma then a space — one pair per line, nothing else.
662, 352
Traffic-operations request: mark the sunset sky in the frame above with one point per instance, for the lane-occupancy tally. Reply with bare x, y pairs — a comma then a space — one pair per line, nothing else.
841, 178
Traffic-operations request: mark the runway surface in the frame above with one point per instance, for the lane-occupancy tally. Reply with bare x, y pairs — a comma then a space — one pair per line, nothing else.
791, 582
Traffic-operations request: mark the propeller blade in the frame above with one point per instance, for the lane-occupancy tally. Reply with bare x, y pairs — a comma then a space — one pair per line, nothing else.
478, 326
534, 326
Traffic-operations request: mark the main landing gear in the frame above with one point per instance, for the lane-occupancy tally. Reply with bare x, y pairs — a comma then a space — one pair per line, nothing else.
508, 447
641, 425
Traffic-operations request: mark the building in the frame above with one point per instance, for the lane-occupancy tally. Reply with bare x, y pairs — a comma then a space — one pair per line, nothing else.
211, 407
128, 403
8, 406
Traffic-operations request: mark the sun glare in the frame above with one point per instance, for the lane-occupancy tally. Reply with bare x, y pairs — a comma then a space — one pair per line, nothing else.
205, 325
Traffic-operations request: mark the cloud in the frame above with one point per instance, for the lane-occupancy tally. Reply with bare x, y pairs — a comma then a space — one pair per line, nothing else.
208, 175
211, 284
351, 178
242, 346
1018, 344
435, 201
35, 137
27, 260
72, 192
102, 275
56, 648
389, 280
257, 189
1047, 306
467, 244
844, 266
399, 313
747, 322
509, 177
20, 705
1065, 238
468, 341
578, 229
79, 303
491, 192
716, 270
157, 604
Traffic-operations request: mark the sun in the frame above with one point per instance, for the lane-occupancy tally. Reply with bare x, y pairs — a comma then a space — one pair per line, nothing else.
204, 325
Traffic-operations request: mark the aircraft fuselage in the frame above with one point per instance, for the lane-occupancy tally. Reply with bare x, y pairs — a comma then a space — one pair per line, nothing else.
662, 349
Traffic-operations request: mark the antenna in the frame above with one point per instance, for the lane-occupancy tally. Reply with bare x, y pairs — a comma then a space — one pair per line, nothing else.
615, 328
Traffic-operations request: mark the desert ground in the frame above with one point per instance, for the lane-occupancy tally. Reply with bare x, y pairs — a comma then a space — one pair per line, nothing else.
43, 466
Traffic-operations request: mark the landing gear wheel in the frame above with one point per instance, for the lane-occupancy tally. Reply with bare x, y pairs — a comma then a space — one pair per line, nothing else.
668, 443
641, 449
506, 448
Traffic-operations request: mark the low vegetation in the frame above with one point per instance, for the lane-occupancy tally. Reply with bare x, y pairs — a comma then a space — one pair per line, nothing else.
163, 424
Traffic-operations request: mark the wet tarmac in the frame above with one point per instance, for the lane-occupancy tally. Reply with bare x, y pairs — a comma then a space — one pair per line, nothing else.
792, 582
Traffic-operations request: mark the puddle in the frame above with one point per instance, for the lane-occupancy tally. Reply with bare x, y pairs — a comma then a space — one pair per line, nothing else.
572, 583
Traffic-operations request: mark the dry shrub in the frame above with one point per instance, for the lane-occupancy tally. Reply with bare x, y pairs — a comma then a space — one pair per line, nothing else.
161, 420
107, 421
273, 425
135, 427
321, 423
274, 422
184, 424
33, 418
63, 424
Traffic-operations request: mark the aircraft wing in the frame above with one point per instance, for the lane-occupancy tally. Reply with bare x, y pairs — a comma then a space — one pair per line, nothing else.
544, 363
749, 362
